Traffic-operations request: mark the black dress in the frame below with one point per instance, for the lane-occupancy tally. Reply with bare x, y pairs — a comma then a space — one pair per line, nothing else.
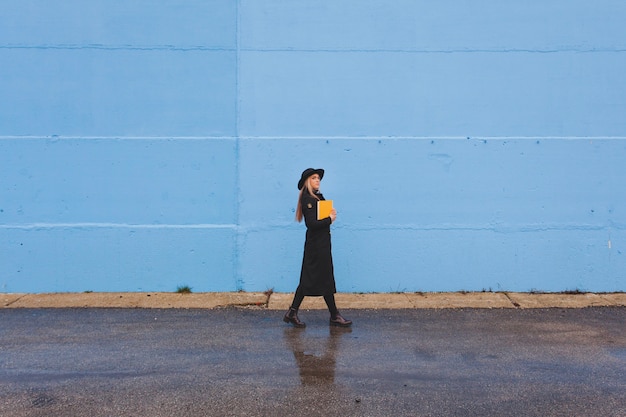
317, 275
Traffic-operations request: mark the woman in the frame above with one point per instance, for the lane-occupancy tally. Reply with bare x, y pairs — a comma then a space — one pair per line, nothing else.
316, 277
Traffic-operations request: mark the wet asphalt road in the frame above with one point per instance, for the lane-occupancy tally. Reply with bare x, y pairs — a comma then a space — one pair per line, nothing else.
247, 362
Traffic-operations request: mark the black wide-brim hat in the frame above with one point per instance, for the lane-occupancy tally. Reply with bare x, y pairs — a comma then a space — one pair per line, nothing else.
307, 173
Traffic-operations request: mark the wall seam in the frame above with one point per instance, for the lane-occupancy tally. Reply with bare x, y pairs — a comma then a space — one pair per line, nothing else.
238, 280
321, 137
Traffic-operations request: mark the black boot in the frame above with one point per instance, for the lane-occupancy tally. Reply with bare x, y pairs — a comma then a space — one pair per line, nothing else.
292, 317
340, 321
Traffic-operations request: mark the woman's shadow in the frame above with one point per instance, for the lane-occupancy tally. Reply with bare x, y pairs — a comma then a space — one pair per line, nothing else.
316, 356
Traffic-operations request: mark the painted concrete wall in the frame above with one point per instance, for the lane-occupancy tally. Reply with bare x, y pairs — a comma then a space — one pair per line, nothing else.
467, 145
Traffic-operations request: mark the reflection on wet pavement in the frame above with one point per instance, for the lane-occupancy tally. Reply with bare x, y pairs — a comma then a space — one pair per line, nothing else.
315, 355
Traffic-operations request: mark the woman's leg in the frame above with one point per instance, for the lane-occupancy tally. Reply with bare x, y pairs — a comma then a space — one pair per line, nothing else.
332, 307
297, 299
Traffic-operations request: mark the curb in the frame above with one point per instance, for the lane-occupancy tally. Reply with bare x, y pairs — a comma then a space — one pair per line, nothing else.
281, 301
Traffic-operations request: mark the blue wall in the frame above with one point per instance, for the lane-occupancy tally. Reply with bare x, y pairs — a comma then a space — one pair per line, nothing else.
468, 145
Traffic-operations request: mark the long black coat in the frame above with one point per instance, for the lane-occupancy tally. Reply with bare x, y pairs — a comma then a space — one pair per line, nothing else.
317, 275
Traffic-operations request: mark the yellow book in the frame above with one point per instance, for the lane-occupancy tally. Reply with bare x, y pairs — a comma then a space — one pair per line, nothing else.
324, 208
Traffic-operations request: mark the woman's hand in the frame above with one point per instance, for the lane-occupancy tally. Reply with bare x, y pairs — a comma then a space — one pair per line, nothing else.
333, 215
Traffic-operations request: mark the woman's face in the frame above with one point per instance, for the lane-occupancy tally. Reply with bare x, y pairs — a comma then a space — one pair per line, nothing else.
314, 180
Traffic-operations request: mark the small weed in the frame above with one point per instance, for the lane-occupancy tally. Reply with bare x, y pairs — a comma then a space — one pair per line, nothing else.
572, 292
183, 289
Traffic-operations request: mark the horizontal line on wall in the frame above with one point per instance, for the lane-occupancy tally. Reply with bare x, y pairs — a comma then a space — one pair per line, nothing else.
435, 137
202, 48
176, 48
497, 228
164, 138
440, 51
486, 227
34, 226
313, 137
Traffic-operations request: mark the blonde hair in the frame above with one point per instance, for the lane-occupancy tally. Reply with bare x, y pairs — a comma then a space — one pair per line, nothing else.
309, 188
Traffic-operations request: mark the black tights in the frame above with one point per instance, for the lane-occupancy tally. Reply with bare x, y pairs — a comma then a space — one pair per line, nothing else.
330, 302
